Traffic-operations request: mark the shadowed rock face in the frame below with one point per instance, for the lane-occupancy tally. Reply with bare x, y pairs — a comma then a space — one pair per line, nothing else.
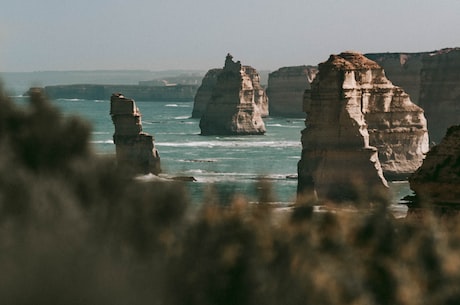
355, 114
437, 181
237, 103
135, 149
286, 87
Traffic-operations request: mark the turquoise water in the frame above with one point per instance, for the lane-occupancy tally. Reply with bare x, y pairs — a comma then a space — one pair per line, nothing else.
230, 163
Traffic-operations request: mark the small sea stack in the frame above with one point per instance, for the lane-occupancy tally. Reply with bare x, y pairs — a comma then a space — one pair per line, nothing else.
135, 150
237, 102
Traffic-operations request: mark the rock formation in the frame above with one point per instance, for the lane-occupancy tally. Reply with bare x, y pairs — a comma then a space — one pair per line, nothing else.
141, 93
437, 181
403, 69
286, 87
440, 91
204, 92
135, 149
355, 114
433, 81
236, 104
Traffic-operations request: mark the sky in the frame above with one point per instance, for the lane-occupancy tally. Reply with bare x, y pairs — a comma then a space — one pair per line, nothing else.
50, 35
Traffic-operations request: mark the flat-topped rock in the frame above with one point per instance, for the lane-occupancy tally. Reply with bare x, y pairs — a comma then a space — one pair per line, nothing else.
237, 103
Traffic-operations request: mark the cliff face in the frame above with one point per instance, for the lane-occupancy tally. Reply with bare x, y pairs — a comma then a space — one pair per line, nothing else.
433, 81
135, 149
286, 87
204, 92
403, 69
437, 181
235, 106
142, 93
440, 91
337, 161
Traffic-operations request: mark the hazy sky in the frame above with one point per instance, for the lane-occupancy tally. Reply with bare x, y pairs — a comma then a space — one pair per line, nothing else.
37, 35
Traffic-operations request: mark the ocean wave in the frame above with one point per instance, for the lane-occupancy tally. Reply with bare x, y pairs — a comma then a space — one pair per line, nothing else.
171, 105
102, 142
235, 144
100, 132
183, 117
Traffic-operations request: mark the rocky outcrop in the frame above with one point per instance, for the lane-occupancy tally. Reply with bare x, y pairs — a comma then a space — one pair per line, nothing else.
359, 126
236, 103
135, 149
204, 92
286, 87
440, 91
140, 93
437, 181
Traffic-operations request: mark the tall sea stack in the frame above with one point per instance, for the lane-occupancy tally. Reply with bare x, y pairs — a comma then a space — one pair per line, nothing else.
135, 150
354, 113
237, 102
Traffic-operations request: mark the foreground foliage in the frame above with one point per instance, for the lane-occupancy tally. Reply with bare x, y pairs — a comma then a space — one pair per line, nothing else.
75, 230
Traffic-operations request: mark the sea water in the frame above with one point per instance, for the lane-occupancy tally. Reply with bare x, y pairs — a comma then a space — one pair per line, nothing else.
229, 164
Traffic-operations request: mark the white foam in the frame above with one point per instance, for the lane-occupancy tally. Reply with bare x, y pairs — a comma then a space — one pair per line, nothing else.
231, 144
102, 142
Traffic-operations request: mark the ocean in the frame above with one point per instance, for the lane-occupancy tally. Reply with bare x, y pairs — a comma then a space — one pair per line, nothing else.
229, 164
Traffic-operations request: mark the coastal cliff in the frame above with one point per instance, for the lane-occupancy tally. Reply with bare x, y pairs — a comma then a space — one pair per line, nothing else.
432, 80
236, 103
437, 181
140, 93
135, 150
286, 87
440, 91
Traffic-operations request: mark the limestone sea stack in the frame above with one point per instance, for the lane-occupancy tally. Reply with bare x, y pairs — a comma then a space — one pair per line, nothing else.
286, 87
135, 149
237, 102
437, 181
337, 162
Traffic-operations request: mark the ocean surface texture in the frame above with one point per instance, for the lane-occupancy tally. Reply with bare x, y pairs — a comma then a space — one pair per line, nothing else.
228, 164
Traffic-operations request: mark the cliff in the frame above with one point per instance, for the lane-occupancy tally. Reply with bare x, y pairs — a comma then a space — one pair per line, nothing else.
440, 91
404, 70
141, 93
359, 126
286, 87
236, 103
135, 149
437, 181
204, 92
432, 80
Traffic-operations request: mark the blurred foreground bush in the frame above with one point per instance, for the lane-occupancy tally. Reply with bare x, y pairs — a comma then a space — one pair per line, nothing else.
75, 230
